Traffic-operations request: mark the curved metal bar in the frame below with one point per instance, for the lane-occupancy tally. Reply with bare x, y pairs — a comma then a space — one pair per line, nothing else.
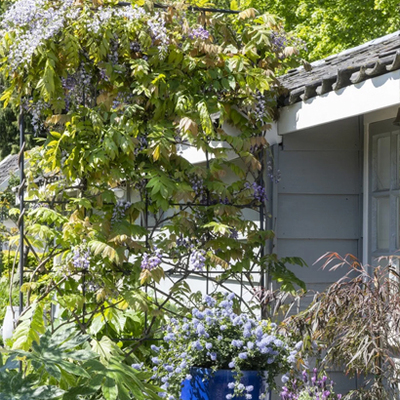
190, 8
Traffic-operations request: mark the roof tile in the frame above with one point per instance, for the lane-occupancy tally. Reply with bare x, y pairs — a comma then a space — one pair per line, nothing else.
349, 67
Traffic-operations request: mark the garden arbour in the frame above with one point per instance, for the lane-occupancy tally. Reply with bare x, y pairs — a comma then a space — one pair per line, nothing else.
116, 89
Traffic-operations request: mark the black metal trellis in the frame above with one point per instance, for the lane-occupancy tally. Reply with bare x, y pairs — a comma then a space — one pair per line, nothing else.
21, 188
145, 217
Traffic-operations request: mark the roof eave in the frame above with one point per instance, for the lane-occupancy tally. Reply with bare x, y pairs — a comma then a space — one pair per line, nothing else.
373, 94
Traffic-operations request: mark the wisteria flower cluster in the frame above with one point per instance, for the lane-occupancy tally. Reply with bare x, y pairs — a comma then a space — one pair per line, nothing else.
151, 261
159, 33
36, 109
274, 176
81, 257
105, 14
259, 192
35, 21
77, 87
198, 185
199, 33
120, 210
215, 336
197, 256
197, 260
311, 386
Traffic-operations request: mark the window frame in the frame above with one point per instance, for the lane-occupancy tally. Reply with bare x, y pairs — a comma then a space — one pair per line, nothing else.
376, 125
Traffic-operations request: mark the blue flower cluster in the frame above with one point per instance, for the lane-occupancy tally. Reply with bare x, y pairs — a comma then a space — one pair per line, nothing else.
214, 336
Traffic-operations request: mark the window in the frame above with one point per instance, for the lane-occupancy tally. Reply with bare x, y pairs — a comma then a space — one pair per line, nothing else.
384, 188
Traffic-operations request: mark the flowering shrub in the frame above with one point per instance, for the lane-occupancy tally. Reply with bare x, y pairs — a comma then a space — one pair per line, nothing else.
214, 336
310, 388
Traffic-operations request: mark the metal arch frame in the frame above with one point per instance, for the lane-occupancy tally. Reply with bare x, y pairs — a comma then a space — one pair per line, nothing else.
21, 161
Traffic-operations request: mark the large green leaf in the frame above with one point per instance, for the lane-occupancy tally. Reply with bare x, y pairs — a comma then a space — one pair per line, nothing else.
29, 329
16, 387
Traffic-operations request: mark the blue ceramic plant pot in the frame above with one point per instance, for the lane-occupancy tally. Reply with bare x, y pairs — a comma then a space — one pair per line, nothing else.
206, 385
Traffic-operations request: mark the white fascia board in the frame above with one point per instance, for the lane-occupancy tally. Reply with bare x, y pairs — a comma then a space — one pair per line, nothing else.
364, 97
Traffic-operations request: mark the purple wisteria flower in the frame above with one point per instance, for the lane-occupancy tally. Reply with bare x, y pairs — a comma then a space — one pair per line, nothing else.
199, 33
197, 185
259, 192
197, 260
81, 258
152, 261
120, 210
159, 34
34, 21
106, 14
274, 176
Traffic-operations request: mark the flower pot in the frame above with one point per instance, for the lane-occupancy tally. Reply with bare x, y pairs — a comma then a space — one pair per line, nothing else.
206, 385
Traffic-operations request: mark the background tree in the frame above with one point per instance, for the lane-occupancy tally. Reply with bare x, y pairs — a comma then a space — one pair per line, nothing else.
327, 27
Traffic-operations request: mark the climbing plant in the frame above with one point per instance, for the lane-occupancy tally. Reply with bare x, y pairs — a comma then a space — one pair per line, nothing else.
166, 108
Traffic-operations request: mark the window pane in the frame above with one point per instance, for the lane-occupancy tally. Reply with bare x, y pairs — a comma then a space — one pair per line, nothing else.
383, 223
382, 173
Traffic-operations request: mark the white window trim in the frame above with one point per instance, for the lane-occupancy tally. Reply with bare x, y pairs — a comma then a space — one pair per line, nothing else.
369, 119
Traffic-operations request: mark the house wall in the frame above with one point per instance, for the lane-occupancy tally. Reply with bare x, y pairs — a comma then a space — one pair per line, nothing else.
319, 200
319, 203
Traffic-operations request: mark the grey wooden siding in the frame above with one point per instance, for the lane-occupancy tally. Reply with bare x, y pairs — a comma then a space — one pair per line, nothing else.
319, 197
318, 205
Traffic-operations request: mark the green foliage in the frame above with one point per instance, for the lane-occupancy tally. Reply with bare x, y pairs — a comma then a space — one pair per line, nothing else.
62, 366
29, 329
138, 107
9, 257
330, 27
9, 130
9, 135
326, 27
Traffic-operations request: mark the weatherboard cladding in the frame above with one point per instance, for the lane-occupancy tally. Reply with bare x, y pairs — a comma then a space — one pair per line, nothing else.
352, 66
